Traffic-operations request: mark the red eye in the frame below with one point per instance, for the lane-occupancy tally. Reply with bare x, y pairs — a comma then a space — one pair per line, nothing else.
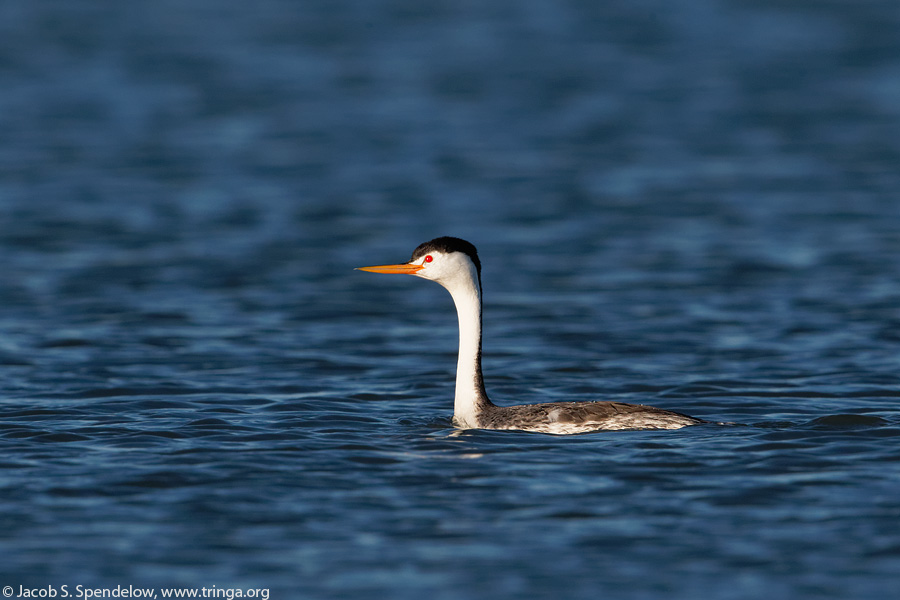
429, 258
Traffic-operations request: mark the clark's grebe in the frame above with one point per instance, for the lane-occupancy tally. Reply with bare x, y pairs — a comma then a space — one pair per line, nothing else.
454, 264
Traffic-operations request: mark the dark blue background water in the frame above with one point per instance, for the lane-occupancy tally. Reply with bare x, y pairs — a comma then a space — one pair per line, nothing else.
688, 203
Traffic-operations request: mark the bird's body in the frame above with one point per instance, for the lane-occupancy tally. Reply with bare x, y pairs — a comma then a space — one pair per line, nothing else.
580, 417
454, 263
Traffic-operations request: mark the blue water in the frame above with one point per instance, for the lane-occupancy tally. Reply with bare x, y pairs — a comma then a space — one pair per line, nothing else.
686, 203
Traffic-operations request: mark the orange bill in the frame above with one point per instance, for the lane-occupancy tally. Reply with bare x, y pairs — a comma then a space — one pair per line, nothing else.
406, 269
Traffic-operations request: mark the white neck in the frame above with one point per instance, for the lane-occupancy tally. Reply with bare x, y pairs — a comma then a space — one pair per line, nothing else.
469, 383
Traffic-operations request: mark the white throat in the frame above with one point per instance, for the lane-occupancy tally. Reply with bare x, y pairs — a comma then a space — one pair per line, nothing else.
469, 384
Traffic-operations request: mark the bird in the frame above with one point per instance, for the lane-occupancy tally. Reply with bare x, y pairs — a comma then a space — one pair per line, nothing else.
453, 263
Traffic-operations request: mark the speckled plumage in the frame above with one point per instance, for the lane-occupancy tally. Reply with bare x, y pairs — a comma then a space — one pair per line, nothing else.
454, 264
562, 418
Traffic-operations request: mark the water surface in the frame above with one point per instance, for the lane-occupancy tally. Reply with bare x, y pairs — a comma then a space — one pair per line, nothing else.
686, 204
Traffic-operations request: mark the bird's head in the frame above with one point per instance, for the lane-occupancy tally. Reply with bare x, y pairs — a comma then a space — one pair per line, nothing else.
450, 261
